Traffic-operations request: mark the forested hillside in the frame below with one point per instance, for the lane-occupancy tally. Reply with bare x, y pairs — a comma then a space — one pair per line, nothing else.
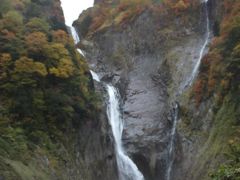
46, 93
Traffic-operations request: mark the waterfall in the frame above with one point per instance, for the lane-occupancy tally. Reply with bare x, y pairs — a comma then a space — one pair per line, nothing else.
172, 139
203, 48
127, 169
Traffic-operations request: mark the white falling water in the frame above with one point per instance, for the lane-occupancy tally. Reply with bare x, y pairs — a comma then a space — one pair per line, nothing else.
95, 76
76, 39
171, 146
74, 35
127, 169
81, 52
203, 48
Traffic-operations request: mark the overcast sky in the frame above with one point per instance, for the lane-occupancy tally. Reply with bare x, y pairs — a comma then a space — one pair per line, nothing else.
72, 9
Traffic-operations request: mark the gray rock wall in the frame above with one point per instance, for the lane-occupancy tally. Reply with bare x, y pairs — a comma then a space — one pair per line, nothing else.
144, 63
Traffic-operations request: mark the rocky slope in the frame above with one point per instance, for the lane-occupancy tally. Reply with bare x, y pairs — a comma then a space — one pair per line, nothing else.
150, 59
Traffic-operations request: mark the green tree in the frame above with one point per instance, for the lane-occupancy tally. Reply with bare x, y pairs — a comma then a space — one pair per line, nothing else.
5, 6
64, 69
37, 25
27, 65
54, 52
12, 21
5, 62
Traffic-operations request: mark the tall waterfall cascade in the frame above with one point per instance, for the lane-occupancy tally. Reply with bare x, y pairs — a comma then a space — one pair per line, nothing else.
126, 167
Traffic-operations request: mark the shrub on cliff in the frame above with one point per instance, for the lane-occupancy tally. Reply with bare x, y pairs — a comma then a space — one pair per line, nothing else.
230, 170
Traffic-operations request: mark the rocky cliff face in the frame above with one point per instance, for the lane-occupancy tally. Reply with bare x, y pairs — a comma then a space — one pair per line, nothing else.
93, 151
150, 61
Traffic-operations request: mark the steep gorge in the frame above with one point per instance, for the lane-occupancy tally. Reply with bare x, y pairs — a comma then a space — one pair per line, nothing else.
150, 59
138, 59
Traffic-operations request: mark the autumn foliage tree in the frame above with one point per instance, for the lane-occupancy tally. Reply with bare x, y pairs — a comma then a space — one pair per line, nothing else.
44, 81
